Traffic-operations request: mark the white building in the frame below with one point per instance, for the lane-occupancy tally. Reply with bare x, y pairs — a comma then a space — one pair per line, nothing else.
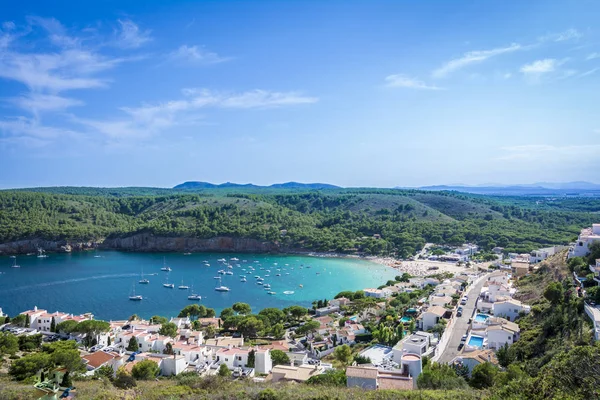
541, 254
501, 333
418, 343
594, 268
431, 317
581, 248
42, 320
378, 293
509, 309
473, 358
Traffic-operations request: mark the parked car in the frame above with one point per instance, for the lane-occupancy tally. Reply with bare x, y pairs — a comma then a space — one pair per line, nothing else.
463, 339
459, 313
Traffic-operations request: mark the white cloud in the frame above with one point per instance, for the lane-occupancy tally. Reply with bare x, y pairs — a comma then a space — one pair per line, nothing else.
44, 102
195, 55
569, 34
32, 128
8, 25
57, 33
130, 36
473, 57
404, 81
592, 56
540, 66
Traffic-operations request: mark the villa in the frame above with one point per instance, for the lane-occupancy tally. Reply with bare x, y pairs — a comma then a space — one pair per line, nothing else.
431, 317
510, 309
473, 358
419, 343
288, 373
377, 293
588, 236
42, 320
501, 332
372, 378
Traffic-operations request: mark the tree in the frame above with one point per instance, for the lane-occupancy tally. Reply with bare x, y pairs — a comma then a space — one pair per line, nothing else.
20, 320
193, 311
296, 312
279, 358
92, 328
66, 380
30, 343
158, 320
168, 348
273, 315
343, 354
70, 359
483, 375
210, 313
168, 329
59, 346
308, 327
251, 359
242, 308
333, 377
104, 372
505, 355
29, 365
250, 326
123, 380
440, 376
277, 331
67, 326
53, 325
224, 371
9, 344
145, 370
134, 317
210, 331
226, 313
554, 293
27, 321
133, 344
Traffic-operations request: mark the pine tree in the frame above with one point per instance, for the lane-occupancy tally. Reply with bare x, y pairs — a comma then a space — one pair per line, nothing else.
53, 325
133, 344
108, 341
66, 381
251, 359
27, 321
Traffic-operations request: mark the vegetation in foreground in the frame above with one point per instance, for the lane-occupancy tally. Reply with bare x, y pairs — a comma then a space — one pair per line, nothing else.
343, 220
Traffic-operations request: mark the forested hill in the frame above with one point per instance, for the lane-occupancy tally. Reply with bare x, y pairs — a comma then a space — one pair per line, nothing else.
343, 220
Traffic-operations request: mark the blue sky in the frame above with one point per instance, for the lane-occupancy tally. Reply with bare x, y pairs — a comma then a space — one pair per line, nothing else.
378, 93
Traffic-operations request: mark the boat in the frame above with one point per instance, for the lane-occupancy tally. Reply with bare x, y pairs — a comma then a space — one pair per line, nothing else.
287, 273
228, 273
216, 277
187, 254
168, 285
260, 279
194, 296
267, 286
221, 272
144, 280
234, 259
259, 283
277, 274
205, 261
267, 275
318, 273
221, 287
182, 286
15, 265
243, 279
288, 292
272, 293
133, 296
222, 260
301, 285
230, 266
165, 266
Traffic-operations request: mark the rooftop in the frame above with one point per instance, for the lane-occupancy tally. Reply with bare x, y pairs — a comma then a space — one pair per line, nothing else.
362, 372
437, 310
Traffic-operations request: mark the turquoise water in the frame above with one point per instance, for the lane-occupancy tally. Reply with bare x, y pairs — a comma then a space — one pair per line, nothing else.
102, 282
405, 320
481, 318
476, 341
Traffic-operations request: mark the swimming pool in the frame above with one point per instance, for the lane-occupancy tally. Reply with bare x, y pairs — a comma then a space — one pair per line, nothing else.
476, 341
481, 317
405, 320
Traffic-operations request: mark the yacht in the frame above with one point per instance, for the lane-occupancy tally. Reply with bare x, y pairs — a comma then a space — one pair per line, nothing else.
187, 254
228, 273
230, 266
133, 296
165, 266
221, 272
259, 282
243, 279
272, 293
222, 260
205, 261
15, 265
267, 286
144, 280
182, 286
216, 277
234, 259
277, 274
168, 285
221, 287
194, 296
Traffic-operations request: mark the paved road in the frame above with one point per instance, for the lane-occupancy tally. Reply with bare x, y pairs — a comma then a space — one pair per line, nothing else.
461, 324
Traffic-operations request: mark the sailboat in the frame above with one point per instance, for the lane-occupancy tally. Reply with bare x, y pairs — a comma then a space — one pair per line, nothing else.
143, 280
165, 266
15, 265
167, 284
243, 279
221, 288
194, 296
182, 286
41, 253
133, 296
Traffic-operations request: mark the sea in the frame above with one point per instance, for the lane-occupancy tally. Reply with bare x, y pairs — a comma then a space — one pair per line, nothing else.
101, 282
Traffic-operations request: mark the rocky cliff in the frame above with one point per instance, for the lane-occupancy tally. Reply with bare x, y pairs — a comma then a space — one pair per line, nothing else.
143, 242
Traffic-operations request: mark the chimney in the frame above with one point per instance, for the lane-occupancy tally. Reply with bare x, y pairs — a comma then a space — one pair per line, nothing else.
34, 308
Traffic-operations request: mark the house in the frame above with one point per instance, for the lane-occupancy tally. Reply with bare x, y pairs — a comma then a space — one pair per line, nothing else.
288, 373
377, 293
519, 269
99, 358
181, 322
499, 276
595, 270
441, 301
418, 343
226, 341
541, 254
262, 361
372, 378
432, 316
473, 358
169, 364
42, 320
501, 332
233, 357
588, 236
341, 301
326, 310
498, 250
205, 322
509, 309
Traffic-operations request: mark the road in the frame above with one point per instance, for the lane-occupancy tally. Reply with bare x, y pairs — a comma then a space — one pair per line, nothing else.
462, 324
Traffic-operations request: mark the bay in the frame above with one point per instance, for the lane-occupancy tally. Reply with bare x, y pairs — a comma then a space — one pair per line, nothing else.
101, 282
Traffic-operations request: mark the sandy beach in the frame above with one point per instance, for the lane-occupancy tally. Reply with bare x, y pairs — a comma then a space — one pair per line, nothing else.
421, 267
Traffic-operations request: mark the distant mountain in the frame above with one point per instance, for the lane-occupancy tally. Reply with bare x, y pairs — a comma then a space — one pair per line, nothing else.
534, 189
287, 185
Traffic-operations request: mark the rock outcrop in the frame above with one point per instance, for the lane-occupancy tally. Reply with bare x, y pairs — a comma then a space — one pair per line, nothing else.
51, 246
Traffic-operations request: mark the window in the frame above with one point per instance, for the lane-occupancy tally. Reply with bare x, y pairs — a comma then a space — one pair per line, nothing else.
239, 358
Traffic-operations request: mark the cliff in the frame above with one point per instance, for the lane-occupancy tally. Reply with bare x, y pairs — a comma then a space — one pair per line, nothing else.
143, 242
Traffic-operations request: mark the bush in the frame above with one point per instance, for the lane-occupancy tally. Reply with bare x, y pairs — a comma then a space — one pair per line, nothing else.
123, 380
145, 370
224, 371
268, 394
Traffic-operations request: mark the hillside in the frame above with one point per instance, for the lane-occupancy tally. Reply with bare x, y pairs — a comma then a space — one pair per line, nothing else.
229, 185
341, 220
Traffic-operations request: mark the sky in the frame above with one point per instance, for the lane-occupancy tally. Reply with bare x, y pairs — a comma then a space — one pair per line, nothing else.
353, 93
